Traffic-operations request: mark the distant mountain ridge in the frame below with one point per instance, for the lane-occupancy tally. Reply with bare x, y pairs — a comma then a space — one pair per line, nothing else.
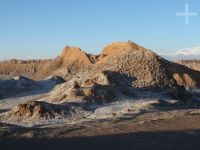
21, 67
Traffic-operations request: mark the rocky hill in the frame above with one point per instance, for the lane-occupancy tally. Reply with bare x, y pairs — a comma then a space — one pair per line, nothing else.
127, 62
66, 64
116, 72
130, 63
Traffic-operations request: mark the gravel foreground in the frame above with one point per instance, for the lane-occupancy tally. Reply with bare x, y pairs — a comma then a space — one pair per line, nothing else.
179, 131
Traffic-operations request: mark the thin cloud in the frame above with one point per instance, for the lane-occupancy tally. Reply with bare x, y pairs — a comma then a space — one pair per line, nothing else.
189, 51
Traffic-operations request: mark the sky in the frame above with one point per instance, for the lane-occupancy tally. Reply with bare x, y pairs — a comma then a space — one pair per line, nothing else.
32, 29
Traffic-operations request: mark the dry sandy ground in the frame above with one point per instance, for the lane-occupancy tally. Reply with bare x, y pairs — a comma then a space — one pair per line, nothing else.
168, 129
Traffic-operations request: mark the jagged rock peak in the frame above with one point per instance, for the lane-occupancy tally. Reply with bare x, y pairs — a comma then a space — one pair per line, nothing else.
74, 54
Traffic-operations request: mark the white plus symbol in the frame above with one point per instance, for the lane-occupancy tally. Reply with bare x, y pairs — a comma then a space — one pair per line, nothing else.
187, 14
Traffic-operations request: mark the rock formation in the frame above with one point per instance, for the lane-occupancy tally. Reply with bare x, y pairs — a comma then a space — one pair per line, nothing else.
67, 63
121, 68
192, 64
184, 75
73, 55
124, 63
129, 64
35, 109
21, 67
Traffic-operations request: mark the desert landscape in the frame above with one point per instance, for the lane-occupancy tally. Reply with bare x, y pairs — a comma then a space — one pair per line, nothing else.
127, 97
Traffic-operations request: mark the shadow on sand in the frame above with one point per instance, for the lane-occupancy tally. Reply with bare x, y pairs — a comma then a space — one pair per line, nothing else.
180, 140
27, 87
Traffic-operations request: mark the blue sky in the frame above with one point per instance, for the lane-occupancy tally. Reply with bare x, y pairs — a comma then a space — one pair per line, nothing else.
41, 28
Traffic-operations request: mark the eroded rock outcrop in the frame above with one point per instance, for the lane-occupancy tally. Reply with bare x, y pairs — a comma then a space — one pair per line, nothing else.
66, 64
89, 92
73, 55
183, 75
21, 67
36, 109
192, 64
